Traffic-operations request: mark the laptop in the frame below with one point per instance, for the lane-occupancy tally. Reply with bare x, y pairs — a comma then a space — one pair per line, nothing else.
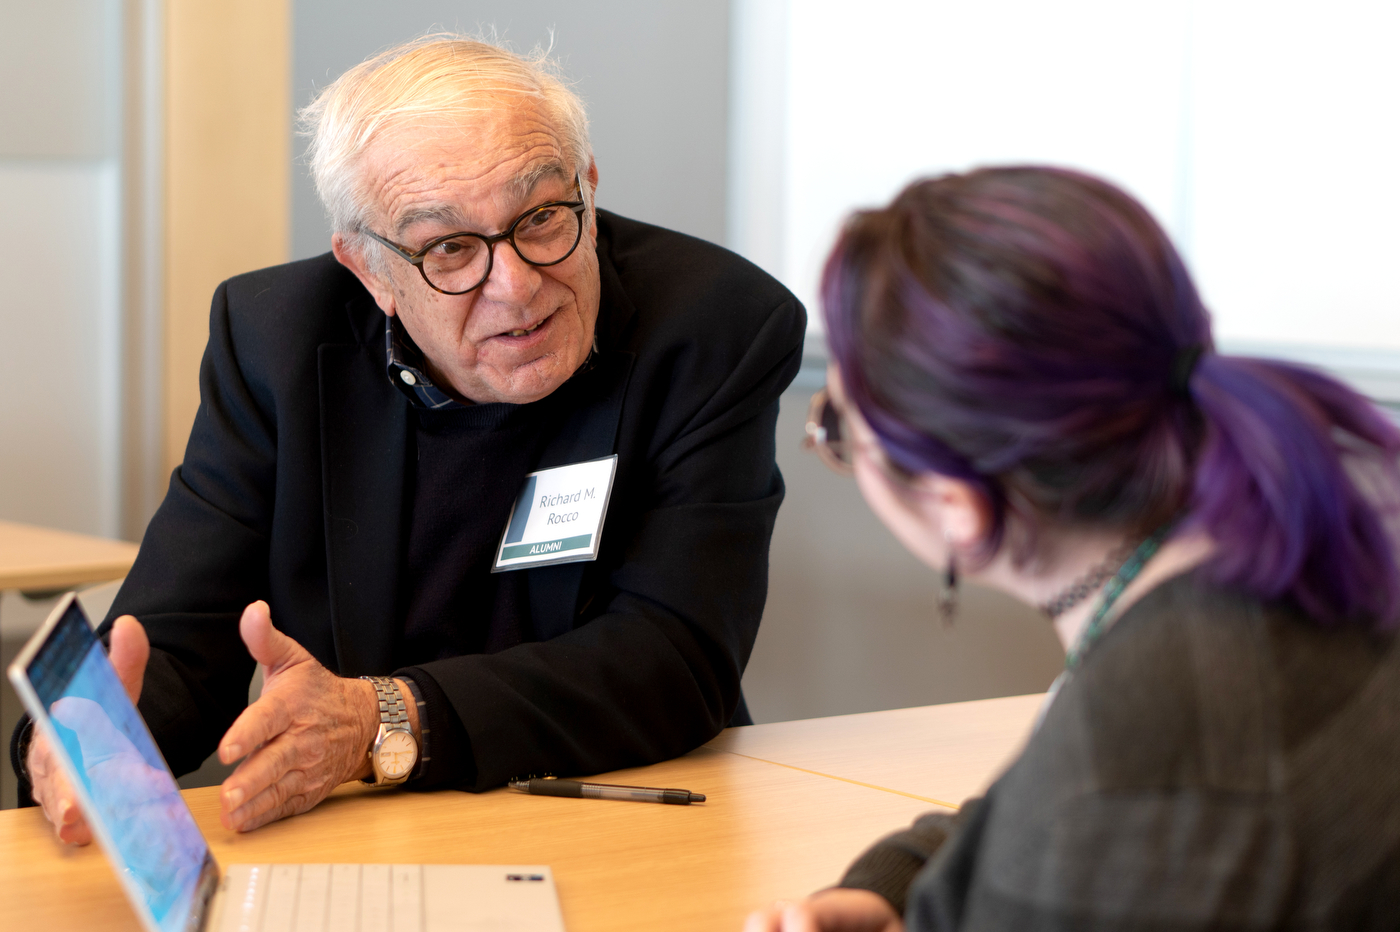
138, 816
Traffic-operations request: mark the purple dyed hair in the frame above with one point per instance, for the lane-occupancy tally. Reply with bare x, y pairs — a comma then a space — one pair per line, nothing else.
1018, 328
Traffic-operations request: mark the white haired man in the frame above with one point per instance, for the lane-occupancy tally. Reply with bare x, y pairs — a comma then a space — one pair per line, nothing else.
368, 423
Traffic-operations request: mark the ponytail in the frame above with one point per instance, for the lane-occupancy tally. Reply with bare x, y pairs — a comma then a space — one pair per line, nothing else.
1295, 481
1033, 332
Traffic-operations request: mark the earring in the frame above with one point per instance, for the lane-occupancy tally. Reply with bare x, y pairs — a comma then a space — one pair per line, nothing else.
948, 592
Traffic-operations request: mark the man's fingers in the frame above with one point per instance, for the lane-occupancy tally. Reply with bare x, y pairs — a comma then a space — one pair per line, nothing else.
55, 795
270, 807
274, 802
250, 799
269, 647
260, 722
129, 652
261, 769
70, 826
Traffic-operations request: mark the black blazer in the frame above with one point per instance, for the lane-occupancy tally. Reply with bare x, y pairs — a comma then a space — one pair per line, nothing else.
293, 490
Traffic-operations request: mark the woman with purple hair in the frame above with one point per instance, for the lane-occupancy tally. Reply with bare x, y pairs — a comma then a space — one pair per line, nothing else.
1025, 387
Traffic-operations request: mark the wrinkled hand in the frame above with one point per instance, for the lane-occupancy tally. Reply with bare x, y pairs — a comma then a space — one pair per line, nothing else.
835, 910
307, 734
51, 789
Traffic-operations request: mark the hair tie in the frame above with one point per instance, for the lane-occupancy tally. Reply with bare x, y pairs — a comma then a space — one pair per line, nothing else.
1183, 365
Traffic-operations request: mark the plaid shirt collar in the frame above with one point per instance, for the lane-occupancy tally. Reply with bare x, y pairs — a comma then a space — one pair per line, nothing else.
406, 370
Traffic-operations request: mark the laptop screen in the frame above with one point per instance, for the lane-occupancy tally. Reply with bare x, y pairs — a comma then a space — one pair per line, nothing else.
139, 814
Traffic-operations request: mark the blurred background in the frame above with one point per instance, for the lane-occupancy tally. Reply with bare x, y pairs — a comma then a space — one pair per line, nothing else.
147, 151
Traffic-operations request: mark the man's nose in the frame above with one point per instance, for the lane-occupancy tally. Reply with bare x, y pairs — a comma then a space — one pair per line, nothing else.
512, 279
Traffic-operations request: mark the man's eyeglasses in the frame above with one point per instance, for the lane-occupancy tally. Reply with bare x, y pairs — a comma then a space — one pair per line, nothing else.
828, 435
460, 262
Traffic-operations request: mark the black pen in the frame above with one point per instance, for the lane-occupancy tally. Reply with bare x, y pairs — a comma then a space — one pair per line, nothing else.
576, 790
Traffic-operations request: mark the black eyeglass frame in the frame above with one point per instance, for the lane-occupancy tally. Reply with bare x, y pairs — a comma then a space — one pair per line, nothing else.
579, 207
828, 435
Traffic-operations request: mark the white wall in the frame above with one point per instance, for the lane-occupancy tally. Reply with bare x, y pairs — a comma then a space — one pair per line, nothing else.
1296, 169
60, 260
59, 377
1262, 134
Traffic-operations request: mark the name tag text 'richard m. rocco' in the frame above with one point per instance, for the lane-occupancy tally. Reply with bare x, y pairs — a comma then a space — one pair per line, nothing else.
558, 516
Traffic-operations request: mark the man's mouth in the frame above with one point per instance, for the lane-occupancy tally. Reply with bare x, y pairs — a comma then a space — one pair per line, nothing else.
527, 330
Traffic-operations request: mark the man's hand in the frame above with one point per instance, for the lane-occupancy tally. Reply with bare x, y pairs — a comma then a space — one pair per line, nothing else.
309, 732
129, 652
835, 910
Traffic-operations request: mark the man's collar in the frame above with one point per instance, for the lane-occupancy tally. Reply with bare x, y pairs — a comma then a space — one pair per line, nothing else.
407, 371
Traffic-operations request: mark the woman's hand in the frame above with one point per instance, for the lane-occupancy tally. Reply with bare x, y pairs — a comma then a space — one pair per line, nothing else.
834, 910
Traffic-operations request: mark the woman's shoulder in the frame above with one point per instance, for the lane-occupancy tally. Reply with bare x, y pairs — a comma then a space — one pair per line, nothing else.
1207, 685
1211, 745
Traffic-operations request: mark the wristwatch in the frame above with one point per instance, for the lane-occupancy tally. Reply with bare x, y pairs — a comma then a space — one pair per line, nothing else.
394, 750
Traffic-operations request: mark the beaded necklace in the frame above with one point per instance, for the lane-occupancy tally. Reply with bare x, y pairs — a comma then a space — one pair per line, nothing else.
1083, 587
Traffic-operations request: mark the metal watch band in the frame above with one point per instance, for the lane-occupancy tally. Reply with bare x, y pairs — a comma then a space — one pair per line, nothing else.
392, 708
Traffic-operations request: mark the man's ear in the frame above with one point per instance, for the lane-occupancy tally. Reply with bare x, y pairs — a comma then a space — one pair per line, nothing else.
591, 176
956, 507
354, 260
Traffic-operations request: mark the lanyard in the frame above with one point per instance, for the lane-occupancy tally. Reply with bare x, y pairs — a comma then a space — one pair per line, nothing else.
1095, 629
1126, 574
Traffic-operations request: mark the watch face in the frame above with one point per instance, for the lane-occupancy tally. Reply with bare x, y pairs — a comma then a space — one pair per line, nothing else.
397, 754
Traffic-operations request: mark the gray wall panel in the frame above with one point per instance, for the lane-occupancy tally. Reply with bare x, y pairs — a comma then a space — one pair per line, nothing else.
654, 77
59, 383
58, 61
850, 624
60, 259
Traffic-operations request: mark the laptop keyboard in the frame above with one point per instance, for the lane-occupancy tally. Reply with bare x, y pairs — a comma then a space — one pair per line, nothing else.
323, 898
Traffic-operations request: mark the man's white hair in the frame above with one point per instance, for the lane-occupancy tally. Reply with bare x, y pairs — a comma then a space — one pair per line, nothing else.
437, 78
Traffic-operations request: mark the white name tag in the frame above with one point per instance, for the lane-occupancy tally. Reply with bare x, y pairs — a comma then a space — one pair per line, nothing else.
558, 516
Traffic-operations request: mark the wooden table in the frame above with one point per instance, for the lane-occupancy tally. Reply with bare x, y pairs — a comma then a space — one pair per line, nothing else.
789, 806
41, 559
939, 754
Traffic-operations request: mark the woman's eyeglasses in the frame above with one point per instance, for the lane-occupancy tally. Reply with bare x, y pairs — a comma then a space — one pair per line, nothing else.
828, 435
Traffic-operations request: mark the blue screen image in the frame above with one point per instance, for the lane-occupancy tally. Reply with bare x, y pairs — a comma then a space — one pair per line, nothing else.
159, 848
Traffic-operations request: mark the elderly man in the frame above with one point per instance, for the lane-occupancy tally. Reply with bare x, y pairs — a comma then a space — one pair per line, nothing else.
371, 430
